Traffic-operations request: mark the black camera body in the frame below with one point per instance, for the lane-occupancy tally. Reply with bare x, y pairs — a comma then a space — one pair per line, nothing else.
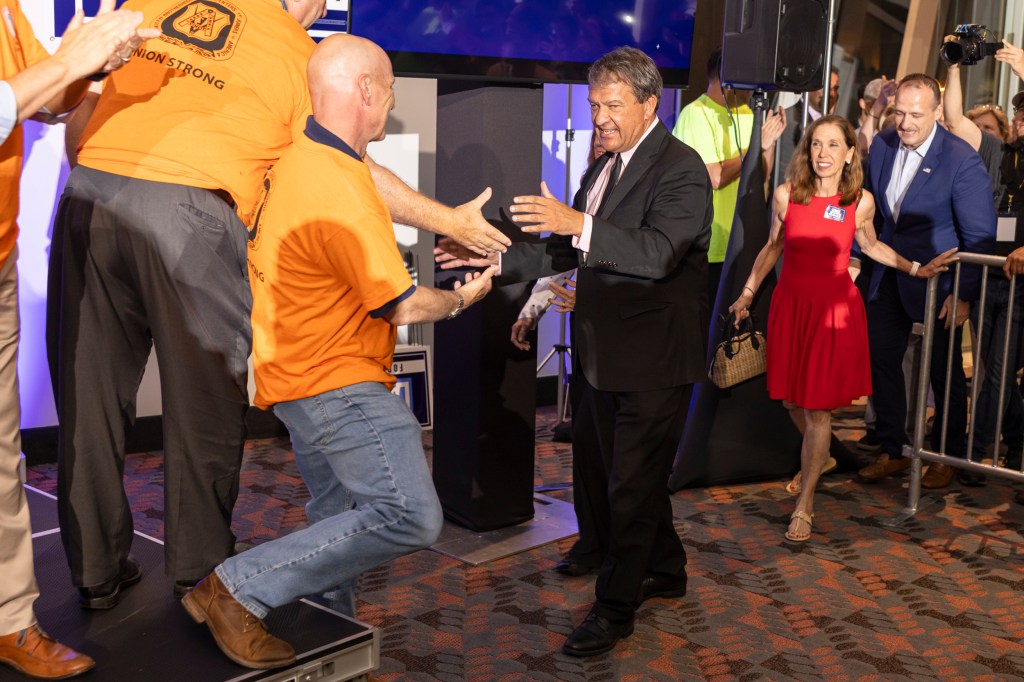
969, 46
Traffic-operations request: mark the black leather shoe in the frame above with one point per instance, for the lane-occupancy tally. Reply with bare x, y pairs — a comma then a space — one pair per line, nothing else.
596, 635
571, 567
970, 479
655, 586
183, 587
107, 595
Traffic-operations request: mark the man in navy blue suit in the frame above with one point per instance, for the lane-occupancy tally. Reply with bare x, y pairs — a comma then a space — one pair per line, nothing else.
932, 194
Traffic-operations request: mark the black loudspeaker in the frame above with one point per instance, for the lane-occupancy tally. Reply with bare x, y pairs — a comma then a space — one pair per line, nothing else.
774, 44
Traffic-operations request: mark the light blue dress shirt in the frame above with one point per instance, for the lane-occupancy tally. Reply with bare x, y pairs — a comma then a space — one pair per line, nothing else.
908, 162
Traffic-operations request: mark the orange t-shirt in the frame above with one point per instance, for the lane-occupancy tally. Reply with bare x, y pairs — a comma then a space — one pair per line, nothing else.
18, 49
210, 103
322, 255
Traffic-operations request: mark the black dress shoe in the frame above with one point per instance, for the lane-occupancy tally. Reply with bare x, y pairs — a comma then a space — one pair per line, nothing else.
971, 479
107, 595
571, 567
596, 635
655, 586
183, 587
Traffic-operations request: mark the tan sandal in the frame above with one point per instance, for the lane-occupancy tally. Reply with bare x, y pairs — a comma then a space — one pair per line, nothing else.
793, 487
799, 515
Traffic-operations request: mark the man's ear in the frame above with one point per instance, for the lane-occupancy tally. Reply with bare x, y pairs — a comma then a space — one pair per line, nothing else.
365, 87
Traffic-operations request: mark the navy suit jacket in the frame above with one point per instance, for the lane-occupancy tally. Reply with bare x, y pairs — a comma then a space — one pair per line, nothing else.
641, 315
948, 204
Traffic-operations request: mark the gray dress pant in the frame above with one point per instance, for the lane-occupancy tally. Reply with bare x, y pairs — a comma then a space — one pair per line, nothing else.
134, 264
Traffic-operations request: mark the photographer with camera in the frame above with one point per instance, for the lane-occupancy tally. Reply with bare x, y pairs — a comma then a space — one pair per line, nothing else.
1006, 166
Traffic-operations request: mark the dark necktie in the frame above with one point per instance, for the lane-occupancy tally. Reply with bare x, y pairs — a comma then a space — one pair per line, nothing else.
613, 178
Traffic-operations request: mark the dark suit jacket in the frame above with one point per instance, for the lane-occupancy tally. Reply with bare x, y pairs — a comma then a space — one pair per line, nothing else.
641, 309
948, 204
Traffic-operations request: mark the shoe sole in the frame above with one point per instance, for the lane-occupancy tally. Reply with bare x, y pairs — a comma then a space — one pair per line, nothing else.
596, 652
200, 616
111, 600
673, 593
37, 677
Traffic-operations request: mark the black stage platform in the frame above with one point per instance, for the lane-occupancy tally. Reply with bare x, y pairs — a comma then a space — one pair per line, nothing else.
150, 637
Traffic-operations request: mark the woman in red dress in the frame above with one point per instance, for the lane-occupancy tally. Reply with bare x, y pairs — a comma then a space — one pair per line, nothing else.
817, 327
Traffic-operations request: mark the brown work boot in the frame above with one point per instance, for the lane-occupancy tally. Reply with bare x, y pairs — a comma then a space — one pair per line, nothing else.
883, 466
937, 476
240, 635
34, 653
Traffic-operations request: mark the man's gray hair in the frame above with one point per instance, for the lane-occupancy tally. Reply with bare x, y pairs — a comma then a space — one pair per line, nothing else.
630, 66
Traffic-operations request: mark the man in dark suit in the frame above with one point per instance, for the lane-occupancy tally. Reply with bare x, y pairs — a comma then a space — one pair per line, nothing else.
932, 194
639, 232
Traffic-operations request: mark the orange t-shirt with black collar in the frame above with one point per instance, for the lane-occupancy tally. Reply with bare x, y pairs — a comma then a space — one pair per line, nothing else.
19, 49
211, 103
323, 266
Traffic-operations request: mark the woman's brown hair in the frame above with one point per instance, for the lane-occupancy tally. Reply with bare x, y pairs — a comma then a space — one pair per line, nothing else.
800, 173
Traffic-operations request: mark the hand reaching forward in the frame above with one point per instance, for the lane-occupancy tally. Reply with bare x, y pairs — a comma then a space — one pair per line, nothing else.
477, 285
547, 213
474, 232
451, 254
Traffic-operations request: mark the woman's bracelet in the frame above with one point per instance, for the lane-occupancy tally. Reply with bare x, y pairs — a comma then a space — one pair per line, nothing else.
749, 289
914, 267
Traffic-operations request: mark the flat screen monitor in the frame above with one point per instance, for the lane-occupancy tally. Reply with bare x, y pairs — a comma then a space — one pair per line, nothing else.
525, 40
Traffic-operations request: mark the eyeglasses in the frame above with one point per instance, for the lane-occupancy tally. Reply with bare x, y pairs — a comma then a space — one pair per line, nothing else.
989, 107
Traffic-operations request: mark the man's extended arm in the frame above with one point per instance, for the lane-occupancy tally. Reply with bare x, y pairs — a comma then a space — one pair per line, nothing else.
432, 305
465, 223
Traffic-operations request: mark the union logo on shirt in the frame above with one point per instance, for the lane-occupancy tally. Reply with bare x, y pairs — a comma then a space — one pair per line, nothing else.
207, 27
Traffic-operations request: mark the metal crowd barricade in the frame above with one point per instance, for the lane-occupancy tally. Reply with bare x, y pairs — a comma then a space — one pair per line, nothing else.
916, 451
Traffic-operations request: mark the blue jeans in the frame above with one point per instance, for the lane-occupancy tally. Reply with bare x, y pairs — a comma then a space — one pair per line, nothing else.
997, 299
359, 450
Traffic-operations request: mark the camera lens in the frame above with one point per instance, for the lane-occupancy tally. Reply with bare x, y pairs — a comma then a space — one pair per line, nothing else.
953, 52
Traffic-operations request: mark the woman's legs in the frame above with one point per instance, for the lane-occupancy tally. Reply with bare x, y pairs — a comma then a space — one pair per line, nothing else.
817, 430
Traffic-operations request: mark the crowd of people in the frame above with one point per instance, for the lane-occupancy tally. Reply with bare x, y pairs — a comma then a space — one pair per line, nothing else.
177, 232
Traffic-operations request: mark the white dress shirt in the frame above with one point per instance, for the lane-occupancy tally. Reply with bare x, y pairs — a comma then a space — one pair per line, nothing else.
597, 191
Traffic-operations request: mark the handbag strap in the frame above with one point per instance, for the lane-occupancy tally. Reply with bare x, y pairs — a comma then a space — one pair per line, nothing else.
731, 334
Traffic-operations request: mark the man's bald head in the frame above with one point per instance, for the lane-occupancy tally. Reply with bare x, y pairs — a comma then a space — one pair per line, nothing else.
350, 85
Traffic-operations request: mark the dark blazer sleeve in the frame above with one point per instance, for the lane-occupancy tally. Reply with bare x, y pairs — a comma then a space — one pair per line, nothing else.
975, 216
678, 218
531, 260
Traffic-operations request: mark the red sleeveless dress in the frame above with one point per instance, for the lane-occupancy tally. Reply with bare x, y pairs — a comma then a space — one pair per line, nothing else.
817, 328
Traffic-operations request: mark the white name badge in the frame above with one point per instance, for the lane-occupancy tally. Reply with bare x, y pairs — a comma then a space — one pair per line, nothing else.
1006, 228
835, 213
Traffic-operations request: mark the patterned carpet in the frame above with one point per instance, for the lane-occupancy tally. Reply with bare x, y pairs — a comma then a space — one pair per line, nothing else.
940, 599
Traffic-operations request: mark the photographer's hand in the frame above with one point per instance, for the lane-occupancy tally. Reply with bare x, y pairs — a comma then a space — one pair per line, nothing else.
1012, 55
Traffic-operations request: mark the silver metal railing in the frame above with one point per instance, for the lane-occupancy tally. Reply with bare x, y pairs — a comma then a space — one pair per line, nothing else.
916, 451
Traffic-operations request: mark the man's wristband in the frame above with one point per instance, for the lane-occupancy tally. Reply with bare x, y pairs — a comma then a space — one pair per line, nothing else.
459, 307
914, 267
97, 77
